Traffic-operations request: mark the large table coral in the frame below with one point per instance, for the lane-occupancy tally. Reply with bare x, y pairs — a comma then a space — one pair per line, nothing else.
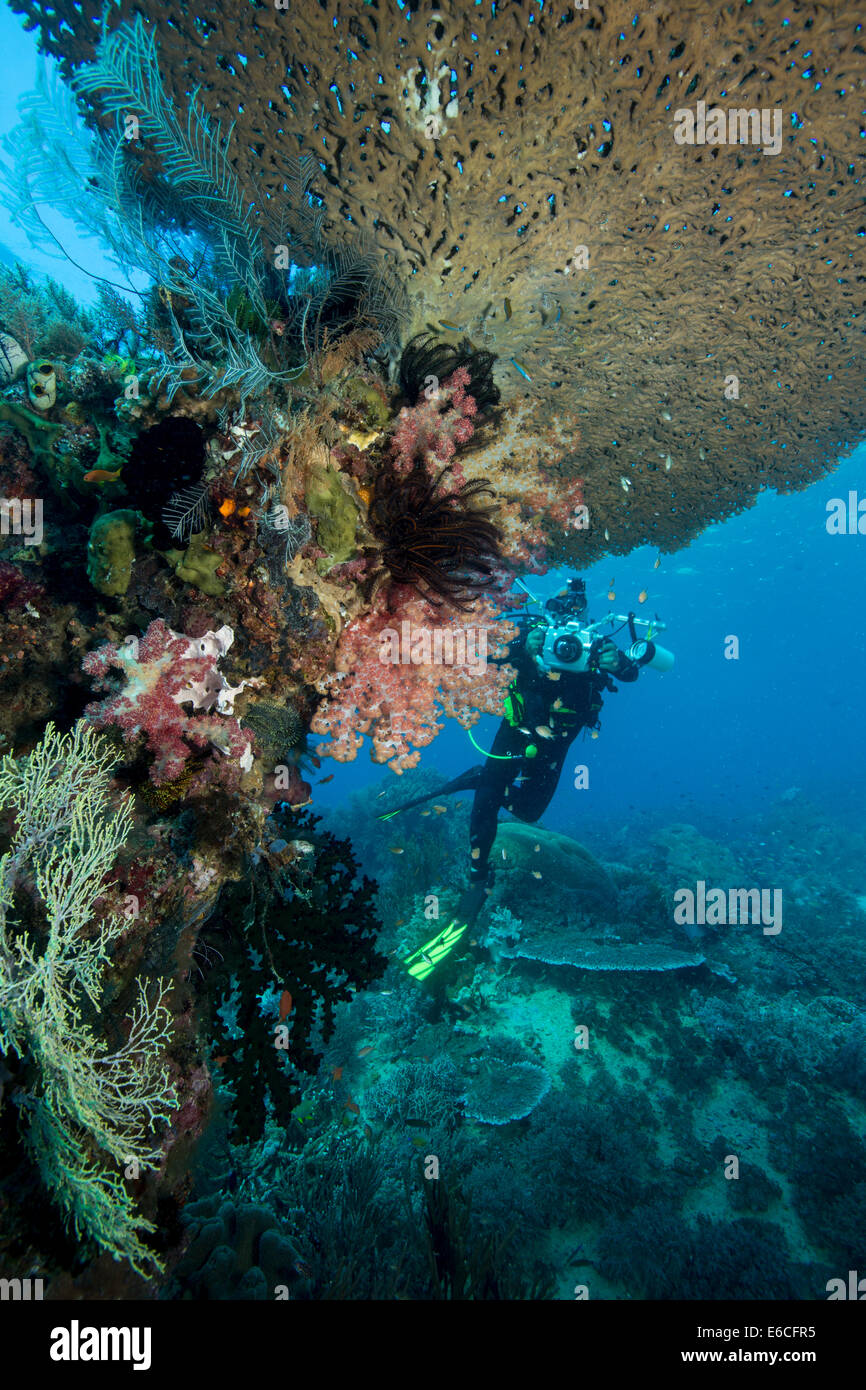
695, 311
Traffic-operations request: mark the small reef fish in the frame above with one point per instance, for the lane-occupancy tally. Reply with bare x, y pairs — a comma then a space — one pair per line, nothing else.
504, 855
101, 475
395, 849
352, 1106
611, 593
440, 810
641, 598
536, 874
536, 849
507, 307
365, 1051
285, 1005
658, 561
518, 366
323, 780
426, 813
380, 794
544, 731
446, 323
337, 1073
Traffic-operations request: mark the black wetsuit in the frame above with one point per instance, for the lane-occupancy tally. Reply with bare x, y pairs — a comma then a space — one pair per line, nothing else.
525, 785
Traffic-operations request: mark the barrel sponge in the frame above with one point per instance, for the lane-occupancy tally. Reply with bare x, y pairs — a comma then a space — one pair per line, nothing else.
505, 1091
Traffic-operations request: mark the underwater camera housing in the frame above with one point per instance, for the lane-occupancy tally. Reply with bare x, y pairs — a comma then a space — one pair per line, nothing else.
572, 645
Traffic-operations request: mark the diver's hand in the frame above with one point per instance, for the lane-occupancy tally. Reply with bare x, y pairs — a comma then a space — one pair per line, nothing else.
609, 656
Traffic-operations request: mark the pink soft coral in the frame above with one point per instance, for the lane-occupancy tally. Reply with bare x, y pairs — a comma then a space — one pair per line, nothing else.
160, 672
401, 704
430, 432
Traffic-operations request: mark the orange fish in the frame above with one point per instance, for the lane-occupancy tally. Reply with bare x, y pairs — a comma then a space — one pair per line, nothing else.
243, 511
425, 813
285, 1005
227, 507
101, 475
220, 1061
365, 1051
658, 561
611, 594
641, 598
440, 810
337, 1073
352, 1107
323, 780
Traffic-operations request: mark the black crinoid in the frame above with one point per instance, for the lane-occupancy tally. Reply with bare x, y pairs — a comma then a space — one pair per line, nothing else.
435, 536
425, 356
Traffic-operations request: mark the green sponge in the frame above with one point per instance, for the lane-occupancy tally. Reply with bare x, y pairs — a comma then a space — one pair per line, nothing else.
111, 552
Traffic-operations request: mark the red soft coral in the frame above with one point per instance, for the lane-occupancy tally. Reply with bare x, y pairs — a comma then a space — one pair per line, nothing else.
162, 671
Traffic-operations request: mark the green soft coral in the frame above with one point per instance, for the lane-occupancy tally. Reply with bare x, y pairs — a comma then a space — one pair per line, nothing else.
89, 1114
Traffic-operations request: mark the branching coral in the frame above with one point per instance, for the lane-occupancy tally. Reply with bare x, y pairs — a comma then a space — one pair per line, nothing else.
160, 672
293, 941
89, 1113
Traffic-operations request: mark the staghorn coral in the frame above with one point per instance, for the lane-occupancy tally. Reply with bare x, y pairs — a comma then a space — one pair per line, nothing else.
487, 145
160, 672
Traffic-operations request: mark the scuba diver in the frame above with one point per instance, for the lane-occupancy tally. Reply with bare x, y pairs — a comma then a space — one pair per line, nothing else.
563, 666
